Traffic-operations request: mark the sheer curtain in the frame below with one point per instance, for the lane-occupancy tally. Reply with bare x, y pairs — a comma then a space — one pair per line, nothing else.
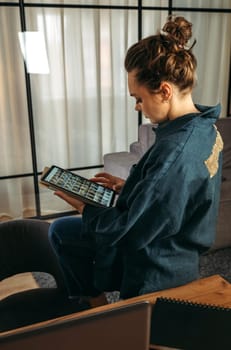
213, 47
84, 99
15, 151
81, 110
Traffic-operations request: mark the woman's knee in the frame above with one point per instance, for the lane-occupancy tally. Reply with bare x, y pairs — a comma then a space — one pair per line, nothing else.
55, 231
54, 226
64, 229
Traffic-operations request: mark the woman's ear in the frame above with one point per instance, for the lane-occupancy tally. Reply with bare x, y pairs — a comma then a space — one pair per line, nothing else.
166, 91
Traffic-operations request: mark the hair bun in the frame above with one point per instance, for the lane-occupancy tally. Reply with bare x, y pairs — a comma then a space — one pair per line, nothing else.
178, 29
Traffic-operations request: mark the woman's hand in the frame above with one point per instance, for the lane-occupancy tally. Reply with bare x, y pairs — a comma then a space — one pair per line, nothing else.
105, 179
77, 204
110, 181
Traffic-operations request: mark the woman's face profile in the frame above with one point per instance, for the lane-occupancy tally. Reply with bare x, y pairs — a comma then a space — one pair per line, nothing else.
150, 104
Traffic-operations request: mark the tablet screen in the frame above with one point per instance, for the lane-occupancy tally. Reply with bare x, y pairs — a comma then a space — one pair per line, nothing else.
88, 191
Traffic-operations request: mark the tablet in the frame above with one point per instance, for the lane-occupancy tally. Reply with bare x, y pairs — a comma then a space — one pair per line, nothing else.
56, 178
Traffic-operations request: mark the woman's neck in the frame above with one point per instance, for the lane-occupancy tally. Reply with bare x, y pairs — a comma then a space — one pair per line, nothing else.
181, 105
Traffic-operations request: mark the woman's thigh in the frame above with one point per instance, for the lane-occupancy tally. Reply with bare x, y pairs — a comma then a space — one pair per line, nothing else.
66, 234
67, 230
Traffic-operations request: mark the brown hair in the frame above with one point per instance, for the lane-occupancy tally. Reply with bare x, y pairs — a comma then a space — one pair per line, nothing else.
164, 57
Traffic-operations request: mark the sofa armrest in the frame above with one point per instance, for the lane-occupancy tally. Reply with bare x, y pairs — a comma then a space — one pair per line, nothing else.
119, 163
146, 137
136, 149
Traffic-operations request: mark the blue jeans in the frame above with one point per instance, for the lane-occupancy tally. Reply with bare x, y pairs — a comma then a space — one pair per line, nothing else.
76, 253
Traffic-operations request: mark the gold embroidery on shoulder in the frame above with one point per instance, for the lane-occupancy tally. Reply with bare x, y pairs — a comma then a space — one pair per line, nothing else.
212, 162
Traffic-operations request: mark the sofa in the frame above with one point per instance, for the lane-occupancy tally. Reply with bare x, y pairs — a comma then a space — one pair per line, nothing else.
218, 259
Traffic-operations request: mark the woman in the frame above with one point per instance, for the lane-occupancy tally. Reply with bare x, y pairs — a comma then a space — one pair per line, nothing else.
165, 215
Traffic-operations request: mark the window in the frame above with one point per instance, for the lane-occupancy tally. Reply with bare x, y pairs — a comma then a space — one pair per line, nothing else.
81, 109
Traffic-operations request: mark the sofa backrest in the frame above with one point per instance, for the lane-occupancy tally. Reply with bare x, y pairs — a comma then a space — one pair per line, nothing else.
224, 126
146, 135
146, 138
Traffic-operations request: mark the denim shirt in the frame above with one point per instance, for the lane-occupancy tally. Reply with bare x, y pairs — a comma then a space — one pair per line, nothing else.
165, 216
